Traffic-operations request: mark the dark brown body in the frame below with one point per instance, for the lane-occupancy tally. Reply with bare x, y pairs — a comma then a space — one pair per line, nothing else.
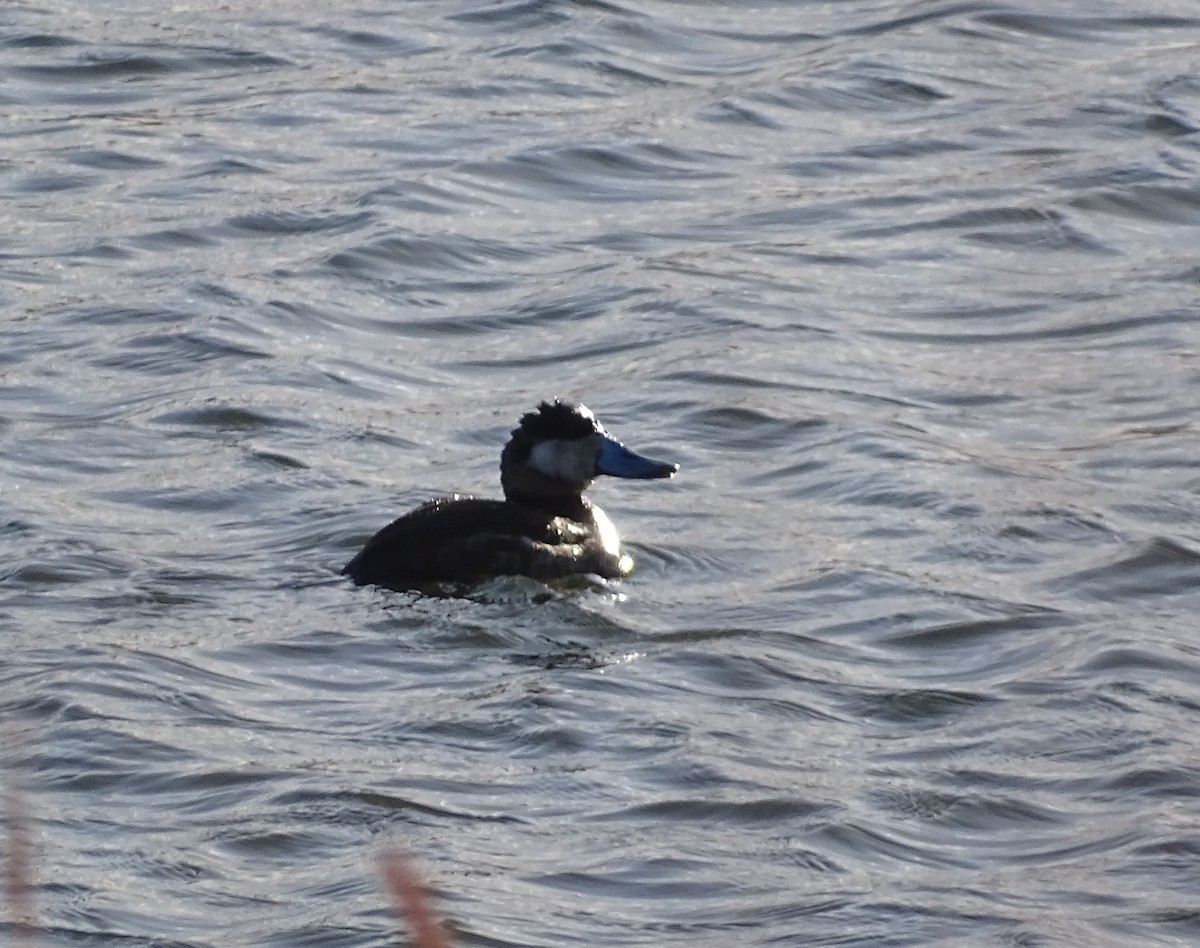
465, 539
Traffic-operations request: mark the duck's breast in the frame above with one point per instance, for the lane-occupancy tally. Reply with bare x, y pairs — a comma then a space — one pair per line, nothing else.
605, 537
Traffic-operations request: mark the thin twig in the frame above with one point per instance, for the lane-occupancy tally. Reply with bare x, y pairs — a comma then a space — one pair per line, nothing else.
412, 901
18, 877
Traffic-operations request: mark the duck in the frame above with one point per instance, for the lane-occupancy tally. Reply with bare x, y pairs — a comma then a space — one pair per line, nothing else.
545, 528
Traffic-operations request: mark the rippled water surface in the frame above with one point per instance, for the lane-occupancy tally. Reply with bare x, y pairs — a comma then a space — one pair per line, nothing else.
909, 289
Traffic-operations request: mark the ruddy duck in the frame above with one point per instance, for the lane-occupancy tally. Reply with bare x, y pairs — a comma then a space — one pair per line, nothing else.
544, 528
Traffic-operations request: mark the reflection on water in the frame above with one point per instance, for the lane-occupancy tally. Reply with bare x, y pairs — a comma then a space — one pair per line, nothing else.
907, 290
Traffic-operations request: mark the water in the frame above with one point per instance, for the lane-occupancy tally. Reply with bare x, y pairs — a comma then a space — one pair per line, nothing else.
908, 289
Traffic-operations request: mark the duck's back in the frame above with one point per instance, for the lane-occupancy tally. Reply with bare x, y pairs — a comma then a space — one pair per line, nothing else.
455, 539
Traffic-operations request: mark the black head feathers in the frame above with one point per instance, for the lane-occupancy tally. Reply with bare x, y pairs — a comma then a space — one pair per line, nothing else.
558, 421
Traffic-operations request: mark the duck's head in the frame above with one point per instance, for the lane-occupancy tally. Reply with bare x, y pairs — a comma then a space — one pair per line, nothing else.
556, 452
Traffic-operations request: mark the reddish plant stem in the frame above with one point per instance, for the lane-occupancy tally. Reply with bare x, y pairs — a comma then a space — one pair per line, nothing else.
18, 884
412, 901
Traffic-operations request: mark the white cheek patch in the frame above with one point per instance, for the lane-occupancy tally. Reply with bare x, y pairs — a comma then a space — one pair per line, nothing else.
570, 461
